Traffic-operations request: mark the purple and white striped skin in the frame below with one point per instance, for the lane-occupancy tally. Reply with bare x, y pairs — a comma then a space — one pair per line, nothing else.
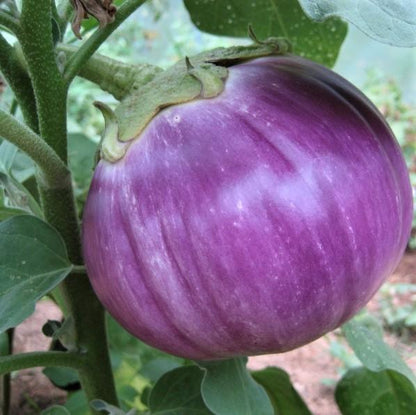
253, 222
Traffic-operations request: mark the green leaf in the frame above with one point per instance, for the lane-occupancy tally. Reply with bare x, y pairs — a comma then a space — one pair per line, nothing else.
7, 211
284, 397
126, 348
278, 18
77, 404
8, 152
15, 199
392, 22
178, 392
15, 163
56, 31
56, 410
33, 260
17, 196
229, 389
145, 395
23, 167
61, 376
364, 392
127, 394
370, 348
128, 357
155, 368
100, 405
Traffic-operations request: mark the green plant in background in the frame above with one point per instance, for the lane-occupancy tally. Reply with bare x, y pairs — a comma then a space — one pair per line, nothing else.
46, 161
387, 96
398, 308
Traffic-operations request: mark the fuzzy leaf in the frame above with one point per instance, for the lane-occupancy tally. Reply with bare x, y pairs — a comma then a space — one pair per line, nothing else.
364, 392
278, 18
178, 392
388, 21
229, 389
56, 410
33, 260
370, 348
284, 397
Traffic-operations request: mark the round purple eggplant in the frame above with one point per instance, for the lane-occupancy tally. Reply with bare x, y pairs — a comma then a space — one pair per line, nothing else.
253, 222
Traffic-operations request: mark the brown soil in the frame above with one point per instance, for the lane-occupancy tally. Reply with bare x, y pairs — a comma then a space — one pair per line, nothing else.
31, 390
313, 369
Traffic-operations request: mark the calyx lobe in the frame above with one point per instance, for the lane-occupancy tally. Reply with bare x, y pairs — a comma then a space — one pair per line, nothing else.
200, 77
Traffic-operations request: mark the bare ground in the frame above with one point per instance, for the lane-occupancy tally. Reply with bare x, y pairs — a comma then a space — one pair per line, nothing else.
312, 368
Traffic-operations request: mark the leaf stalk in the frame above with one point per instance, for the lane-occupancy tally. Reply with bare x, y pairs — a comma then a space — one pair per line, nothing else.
55, 174
20, 361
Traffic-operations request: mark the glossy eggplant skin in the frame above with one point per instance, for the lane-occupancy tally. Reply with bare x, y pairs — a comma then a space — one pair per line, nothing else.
253, 222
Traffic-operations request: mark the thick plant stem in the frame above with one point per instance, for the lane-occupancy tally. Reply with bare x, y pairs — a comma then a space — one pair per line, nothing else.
59, 208
19, 82
91, 45
58, 202
111, 75
81, 302
50, 90
91, 338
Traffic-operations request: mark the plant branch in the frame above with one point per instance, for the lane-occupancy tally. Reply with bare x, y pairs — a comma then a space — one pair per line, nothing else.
42, 359
65, 11
9, 22
6, 386
37, 45
54, 11
59, 22
13, 107
90, 46
55, 172
20, 83
111, 75
58, 204
90, 325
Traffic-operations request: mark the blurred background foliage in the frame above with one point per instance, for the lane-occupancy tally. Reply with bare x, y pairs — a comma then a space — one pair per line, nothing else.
160, 33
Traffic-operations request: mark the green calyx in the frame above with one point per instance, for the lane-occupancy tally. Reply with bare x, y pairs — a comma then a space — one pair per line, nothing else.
200, 77
111, 149
210, 76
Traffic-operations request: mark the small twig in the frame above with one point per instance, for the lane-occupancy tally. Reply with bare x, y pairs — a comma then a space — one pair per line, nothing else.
6, 385
42, 359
